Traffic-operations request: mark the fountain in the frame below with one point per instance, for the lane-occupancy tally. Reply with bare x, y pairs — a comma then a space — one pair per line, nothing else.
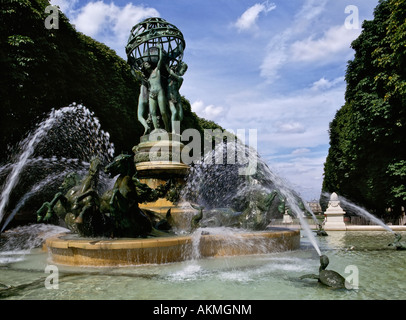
336, 213
48, 153
363, 212
122, 223
164, 214
377, 224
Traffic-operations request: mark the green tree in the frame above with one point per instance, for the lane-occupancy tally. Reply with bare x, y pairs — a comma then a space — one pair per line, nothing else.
367, 142
42, 69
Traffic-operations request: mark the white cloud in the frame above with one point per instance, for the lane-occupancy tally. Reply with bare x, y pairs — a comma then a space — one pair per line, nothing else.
209, 112
334, 42
110, 23
278, 52
275, 58
93, 16
310, 10
130, 15
291, 127
300, 151
303, 174
324, 84
66, 6
292, 121
247, 20
308, 41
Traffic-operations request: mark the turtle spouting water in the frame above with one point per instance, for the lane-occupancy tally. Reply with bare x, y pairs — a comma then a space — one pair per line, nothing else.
329, 278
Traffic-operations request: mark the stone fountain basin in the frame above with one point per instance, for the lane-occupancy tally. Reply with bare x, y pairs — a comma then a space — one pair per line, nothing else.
67, 250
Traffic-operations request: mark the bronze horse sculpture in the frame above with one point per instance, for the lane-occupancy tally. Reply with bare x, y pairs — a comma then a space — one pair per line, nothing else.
79, 206
116, 213
122, 201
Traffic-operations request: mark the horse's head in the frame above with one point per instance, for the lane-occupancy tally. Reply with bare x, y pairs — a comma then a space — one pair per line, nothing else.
95, 165
72, 179
122, 165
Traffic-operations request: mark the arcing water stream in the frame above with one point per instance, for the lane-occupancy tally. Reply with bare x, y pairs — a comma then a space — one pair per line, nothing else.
358, 210
235, 185
218, 184
72, 130
36, 188
27, 146
211, 185
268, 276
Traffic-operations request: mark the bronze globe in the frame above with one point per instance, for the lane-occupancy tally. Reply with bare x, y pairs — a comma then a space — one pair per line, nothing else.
145, 37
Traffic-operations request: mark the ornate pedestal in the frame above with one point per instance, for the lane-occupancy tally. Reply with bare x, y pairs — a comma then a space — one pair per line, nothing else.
287, 219
158, 160
334, 215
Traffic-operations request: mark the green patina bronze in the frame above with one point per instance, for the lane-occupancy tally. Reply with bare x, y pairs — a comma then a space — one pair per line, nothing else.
328, 278
397, 244
155, 51
79, 206
116, 212
320, 231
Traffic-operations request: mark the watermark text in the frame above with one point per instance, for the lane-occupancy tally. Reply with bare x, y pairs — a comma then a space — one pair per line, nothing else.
52, 20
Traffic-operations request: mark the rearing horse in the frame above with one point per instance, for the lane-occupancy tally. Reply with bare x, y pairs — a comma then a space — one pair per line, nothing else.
122, 201
79, 206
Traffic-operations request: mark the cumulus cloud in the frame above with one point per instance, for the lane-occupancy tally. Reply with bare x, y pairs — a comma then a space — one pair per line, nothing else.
210, 112
248, 19
333, 43
110, 23
324, 83
93, 16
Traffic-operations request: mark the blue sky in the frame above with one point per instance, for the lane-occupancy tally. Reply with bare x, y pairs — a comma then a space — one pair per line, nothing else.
274, 66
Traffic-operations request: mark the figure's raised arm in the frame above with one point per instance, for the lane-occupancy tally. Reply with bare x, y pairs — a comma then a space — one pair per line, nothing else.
161, 55
173, 73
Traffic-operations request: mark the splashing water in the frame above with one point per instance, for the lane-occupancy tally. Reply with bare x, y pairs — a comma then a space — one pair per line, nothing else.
28, 149
214, 182
291, 199
220, 184
362, 212
18, 242
36, 188
71, 131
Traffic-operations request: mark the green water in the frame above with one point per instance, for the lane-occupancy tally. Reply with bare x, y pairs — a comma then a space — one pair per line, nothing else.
378, 270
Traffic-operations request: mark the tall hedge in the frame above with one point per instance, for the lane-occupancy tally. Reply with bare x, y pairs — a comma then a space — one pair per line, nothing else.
45, 68
367, 157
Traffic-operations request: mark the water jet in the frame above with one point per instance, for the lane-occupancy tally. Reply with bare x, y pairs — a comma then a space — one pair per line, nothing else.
216, 214
121, 224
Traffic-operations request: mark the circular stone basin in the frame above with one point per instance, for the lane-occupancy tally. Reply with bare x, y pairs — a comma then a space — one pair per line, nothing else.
71, 250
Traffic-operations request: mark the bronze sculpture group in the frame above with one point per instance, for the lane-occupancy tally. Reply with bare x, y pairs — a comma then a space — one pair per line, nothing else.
159, 90
155, 50
116, 212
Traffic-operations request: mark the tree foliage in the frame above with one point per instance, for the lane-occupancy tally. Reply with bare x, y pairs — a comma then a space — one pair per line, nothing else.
367, 156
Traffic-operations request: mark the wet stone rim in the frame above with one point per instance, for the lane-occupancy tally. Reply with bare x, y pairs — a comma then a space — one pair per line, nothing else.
92, 252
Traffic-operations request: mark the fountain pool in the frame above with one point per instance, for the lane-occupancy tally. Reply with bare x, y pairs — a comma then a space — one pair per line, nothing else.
364, 255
